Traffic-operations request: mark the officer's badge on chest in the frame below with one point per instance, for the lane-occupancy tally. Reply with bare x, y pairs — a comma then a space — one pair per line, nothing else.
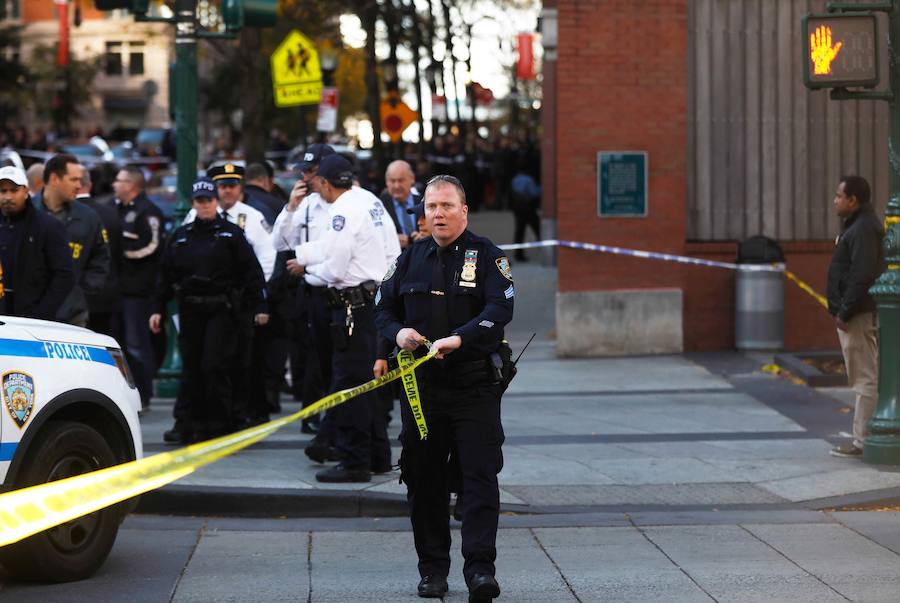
242, 221
470, 263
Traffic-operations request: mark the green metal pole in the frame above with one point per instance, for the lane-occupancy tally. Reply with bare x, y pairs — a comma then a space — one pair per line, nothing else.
186, 140
883, 445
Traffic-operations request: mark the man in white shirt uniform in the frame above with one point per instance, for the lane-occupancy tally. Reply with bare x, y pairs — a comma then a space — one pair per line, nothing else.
304, 220
351, 258
253, 376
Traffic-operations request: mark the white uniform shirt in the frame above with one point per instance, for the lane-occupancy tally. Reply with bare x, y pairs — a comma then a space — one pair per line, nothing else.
352, 250
253, 223
386, 230
307, 223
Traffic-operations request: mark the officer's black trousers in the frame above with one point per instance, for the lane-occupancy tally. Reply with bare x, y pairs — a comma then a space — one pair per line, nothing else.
356, 421
468, 419
207, 340
319, 354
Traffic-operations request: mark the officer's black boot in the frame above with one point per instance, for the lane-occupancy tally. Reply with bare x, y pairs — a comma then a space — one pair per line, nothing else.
483, 588
432, 586
341, 474
179, 434
321, 450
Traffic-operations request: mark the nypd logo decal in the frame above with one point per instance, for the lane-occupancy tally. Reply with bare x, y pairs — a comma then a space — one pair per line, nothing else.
18, 396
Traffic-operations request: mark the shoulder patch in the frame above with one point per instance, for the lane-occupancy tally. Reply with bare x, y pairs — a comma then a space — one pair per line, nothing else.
390, 272
337, 223
503, 267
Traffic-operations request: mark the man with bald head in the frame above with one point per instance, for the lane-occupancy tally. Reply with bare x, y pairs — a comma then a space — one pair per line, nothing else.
400, 196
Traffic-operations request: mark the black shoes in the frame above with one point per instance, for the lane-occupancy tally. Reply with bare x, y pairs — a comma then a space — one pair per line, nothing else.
321, 451
379, 469
432, 587
483, 588
340, 474
179, 434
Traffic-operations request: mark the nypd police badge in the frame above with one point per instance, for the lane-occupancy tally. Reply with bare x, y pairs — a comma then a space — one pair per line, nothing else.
18, 396
337, 223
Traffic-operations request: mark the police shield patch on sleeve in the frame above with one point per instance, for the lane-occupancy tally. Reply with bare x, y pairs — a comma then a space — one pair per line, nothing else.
391, 269
18, 396
337, 223
503, 267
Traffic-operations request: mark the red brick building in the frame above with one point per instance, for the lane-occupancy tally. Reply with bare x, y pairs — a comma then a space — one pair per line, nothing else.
712, 91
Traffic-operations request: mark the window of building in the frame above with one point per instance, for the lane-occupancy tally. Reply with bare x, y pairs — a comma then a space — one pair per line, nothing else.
9, 9
124, 58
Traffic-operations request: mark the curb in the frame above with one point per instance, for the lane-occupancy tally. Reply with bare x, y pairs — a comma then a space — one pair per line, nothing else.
270, 502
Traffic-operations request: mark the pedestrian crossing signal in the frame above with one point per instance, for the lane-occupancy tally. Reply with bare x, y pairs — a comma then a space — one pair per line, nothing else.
841, 51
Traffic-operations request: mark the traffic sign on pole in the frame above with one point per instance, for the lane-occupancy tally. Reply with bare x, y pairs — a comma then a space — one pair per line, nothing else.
396, 116
296, 73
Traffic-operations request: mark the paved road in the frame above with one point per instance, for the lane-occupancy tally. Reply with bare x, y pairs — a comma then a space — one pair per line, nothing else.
703, 556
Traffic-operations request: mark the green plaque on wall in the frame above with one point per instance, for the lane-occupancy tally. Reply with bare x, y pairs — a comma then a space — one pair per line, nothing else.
621, 184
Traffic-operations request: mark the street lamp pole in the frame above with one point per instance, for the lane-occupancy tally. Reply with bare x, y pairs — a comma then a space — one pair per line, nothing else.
883, 445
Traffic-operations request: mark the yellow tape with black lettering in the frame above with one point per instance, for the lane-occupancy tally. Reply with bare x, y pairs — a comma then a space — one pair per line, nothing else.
411, 388
819, 298
28, 511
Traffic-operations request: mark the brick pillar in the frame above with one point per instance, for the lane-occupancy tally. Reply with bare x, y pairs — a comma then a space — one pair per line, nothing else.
621, 83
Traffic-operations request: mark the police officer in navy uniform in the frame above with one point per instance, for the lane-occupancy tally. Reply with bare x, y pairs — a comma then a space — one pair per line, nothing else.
456, 290
212, 271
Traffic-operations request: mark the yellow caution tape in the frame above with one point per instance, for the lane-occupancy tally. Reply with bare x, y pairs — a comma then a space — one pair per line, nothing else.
28, 511
412, 392
819, 298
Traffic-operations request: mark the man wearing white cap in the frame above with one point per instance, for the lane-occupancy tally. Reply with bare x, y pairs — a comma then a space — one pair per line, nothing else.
37, 270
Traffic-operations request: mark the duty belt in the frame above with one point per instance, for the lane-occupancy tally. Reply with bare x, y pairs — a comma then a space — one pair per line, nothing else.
205, 300
352, 297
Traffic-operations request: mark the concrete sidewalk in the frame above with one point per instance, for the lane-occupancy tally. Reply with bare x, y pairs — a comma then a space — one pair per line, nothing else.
683, 431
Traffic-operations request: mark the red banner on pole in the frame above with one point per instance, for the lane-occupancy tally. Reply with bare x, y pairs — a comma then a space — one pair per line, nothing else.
525, 64
62, 53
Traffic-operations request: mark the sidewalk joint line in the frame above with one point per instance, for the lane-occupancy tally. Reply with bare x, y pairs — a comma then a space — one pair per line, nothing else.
187, 563
555, 565
792, 562
857, 532
309, 546
643, 533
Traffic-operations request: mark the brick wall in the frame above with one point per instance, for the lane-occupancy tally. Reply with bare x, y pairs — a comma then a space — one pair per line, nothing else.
621, 84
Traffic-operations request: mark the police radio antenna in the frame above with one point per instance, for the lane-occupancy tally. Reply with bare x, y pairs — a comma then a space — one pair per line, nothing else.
523, 349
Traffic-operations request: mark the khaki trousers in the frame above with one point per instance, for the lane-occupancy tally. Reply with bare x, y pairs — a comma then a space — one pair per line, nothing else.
859, 345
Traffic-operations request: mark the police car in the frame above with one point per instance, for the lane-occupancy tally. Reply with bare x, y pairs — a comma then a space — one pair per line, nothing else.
69, 406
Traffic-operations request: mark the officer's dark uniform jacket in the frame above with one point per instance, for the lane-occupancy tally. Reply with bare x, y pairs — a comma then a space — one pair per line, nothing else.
108, 298
857, 261
211, 263
41, 275
90, 256
478, 305
142, 245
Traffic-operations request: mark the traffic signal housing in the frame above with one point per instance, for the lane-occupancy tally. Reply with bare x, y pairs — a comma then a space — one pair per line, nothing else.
238, 14
840, 50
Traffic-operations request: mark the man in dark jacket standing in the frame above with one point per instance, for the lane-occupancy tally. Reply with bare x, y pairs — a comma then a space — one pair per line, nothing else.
37, 272
84, 230
105, 305
858, 260
142, 224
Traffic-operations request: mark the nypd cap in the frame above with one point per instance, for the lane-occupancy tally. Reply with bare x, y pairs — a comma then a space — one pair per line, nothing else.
226, 173
313, 156
203, 188
418, 210
337, 170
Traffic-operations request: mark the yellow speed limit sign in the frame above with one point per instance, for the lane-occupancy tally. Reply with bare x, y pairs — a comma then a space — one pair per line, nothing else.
296, 74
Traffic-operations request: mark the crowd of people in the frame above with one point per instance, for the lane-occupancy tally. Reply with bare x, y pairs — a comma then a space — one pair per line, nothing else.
329, 280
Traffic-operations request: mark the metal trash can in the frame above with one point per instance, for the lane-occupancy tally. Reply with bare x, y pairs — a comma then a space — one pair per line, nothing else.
759, 297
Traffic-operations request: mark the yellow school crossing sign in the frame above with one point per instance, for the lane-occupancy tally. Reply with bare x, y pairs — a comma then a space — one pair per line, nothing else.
296, 75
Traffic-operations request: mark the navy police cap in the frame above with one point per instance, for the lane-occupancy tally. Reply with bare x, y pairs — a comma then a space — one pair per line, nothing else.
314, 155
203, 188
337, 170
